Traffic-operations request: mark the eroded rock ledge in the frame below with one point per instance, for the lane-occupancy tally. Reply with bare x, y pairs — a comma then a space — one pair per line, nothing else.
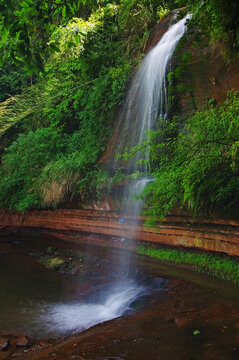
106, 228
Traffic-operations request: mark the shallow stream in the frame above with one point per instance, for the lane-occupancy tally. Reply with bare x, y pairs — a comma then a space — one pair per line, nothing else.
162, 311
43, 302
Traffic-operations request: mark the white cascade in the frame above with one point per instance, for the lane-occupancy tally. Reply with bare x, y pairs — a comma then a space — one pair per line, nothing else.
146, 101
147, 98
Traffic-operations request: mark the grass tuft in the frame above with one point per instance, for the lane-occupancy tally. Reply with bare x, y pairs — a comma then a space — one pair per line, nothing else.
222, 268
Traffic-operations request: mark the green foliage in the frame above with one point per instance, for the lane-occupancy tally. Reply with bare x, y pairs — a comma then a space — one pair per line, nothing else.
162, 11
86, 64
71, 176
82, 85
26, 27
219, 267
50, 262
198, 168
136, 18
12, 80
217, 19
86, 113
23, 106
22, 164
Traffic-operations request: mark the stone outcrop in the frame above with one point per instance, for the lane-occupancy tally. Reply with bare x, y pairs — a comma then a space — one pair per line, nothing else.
107, 228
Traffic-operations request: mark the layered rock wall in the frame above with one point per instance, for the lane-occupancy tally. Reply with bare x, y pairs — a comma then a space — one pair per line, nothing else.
107, 228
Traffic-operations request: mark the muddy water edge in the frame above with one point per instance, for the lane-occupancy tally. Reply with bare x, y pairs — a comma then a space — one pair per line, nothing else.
196, 317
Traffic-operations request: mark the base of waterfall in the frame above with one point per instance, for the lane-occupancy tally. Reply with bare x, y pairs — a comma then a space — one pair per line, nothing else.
54, 289
112, 301
161, 312
193, 322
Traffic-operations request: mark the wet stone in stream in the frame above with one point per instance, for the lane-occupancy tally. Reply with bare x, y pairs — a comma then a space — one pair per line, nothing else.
109, 358
4, 342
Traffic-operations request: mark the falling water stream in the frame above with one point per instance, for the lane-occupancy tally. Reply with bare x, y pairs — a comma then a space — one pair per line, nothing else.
146, 100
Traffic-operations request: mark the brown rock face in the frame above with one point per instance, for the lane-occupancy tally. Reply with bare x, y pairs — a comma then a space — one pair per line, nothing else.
206, 76
105, 228
159, 30
22, 341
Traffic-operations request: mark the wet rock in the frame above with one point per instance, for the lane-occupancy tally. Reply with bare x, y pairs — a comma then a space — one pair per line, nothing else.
179, 304
5, 334
38, 346
235, 352
175, 283
182, 321
4, 343
4, 253
22, 341
110, 358
16, 242
170, 320
16, 355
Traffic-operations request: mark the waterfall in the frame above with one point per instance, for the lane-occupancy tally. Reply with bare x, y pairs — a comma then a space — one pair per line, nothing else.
146, 101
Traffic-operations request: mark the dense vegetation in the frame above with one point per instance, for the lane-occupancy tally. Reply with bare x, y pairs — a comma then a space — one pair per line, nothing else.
196, 167
66, 69
54, 131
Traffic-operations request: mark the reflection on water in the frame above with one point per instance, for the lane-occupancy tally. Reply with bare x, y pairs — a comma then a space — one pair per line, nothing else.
25, 286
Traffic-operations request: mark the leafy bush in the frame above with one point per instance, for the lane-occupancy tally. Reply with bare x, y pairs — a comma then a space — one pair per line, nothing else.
197, 169
23, 163
82, 86
218, 19
12, 80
